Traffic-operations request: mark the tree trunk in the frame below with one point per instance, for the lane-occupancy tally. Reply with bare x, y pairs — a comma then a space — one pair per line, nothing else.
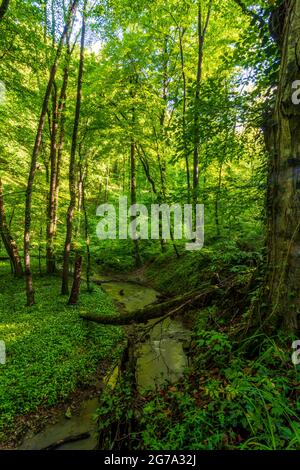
72, 168
8, 241
50, 257
79, 194
86, 231
199, 298
36, 149
282, 136
57, 143
3, 8
62, 118
76, 281
201, 38
184, 109
137, 256
162, 197
144, 161
87, 242
217, 200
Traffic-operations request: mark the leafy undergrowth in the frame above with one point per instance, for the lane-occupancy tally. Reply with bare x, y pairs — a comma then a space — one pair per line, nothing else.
216, 263
50, 350
228, 401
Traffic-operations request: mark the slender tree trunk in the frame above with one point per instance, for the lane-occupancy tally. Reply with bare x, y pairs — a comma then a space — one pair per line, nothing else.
201, 38
217, 200
221, 164
79, 194
282, 135
40, 250
57, 144
36, 149
184, 109
62, 119
76, 281
137, 256
161, 156
3, 8
86, 232
8, 241
53, 22
72, 168
160, 200
106, 184
143, 159
50, 257
124, 173
133, 199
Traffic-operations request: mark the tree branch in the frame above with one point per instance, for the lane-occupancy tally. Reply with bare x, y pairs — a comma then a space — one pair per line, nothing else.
199, 298
251, 14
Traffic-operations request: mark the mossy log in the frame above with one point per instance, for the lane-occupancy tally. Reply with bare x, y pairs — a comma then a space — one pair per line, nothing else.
197, 298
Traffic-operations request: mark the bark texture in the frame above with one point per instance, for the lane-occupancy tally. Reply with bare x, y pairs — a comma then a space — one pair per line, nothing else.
8, 241
282, 134
76, 281
36, 149
72, 168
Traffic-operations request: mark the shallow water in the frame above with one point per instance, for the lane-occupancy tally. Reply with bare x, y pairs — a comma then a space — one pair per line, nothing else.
80, 423
132, 296
160, 358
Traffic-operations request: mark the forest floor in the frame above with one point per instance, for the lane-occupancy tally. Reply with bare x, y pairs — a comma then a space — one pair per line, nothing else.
54, 358
241, 390
232, 396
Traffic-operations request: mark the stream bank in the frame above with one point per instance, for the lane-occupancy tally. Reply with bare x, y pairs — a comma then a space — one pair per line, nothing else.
160, 358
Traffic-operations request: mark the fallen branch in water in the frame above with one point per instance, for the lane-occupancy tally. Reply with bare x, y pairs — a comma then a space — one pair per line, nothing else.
199, 298
67, 440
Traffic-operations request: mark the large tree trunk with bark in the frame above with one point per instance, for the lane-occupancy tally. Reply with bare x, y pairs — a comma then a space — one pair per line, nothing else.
36, 149
72, 168
8, 241
282, 135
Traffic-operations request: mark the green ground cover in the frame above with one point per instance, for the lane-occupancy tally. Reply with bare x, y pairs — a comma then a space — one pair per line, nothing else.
50, 350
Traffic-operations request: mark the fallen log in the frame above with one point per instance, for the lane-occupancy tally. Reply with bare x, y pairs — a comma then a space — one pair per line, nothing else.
199, 298
67, 440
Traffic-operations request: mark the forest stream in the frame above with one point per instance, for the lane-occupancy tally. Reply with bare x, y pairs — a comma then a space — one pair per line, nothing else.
160, 357
149, 228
